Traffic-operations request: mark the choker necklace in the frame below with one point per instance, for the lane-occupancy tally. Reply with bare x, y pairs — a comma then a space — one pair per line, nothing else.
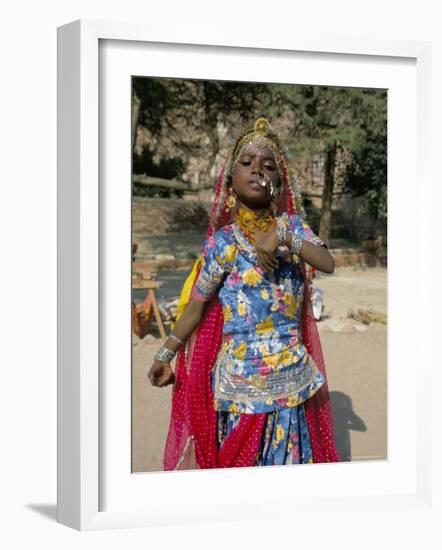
248, 221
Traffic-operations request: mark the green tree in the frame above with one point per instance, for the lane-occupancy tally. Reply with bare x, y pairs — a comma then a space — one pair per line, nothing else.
188, 113
348, 127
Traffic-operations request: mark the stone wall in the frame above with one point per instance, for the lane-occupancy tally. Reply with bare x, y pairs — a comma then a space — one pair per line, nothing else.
156, 216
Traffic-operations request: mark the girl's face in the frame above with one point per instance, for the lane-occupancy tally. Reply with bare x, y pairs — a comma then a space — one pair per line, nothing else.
252, 164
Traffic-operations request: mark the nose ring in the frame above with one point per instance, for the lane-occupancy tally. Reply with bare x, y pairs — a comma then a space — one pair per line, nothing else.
263, 180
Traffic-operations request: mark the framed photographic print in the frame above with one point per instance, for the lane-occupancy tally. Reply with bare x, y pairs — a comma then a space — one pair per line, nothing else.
145, 123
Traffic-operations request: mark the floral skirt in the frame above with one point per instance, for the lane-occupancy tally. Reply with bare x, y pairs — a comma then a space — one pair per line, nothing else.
285, 438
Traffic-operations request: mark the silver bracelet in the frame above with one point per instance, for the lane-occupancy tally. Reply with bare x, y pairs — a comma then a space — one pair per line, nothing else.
175, 339
164, 354
281, 231
296, 244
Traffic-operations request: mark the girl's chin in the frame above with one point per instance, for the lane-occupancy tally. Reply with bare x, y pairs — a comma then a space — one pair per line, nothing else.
256, 202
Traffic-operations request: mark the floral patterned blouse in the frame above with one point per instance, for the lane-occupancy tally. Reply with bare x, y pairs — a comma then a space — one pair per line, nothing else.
262, 365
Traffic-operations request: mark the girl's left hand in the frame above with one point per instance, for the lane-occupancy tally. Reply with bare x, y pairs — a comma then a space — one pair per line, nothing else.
266, 244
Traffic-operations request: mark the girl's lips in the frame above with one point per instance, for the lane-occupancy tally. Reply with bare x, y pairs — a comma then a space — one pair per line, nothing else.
256, 185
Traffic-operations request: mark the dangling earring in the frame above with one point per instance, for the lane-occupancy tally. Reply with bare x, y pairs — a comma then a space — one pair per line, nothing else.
230, 201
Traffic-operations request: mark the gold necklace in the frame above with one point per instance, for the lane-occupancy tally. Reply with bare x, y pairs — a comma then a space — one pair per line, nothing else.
248, 222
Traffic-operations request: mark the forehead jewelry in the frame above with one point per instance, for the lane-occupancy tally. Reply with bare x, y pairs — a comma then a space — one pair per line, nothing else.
258, 141
262, 136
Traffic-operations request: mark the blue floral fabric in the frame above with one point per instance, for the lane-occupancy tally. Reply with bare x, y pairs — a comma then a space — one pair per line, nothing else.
285, 439
262, 366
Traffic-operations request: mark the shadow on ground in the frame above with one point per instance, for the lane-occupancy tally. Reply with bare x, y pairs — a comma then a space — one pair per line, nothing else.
47, 510
345, 419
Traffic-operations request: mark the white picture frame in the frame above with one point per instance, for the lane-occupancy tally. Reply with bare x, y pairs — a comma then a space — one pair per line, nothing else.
82, 466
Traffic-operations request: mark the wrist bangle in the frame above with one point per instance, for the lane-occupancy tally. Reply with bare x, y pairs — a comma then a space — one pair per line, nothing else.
296, 244
175, 339
281, 231
164, 354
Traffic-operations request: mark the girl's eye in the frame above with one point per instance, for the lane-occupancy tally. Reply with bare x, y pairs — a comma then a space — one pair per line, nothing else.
270, 167
245, 162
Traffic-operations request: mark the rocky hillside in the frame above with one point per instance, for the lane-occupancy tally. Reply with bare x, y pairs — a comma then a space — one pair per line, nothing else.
157, 216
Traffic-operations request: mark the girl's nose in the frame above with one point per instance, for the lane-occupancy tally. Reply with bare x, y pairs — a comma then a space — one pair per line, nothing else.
256, 167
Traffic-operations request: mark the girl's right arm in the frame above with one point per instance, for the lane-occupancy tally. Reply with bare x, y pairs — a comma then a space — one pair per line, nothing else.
218, 257
161, 374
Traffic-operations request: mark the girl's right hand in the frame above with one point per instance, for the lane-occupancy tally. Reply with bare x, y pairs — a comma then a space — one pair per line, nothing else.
266, 246
161, 374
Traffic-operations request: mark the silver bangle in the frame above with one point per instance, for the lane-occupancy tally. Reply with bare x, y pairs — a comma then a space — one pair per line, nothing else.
296, 244
281, 231
164, 354
175, 339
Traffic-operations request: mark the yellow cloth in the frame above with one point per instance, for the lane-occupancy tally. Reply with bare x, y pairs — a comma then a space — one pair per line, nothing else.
186, 290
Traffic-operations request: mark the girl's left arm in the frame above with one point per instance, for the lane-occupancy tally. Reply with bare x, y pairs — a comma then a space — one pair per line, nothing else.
315, 255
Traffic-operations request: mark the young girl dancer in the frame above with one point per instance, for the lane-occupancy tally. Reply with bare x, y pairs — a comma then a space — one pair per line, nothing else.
250, 386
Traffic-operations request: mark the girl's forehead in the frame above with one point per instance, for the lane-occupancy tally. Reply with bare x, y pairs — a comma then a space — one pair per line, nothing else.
257, 148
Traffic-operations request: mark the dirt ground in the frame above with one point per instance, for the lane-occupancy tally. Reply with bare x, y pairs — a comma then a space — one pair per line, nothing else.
356, 362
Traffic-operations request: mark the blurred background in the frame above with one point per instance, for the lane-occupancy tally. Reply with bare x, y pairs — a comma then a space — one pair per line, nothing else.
182, 131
